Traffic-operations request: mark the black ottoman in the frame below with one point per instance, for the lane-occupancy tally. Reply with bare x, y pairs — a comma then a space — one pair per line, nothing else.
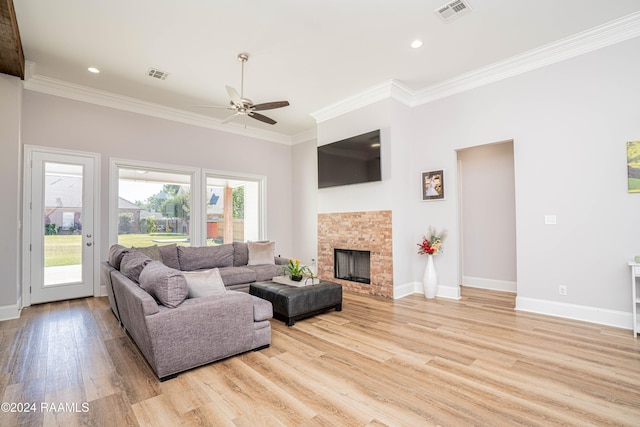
291, 303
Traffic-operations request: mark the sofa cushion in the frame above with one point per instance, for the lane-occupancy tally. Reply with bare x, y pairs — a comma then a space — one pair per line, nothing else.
262, 309
152, 252
170, 255
132, 264
199, 258
165, 284
261, 253
236, 275
203, 283
266, 272
116, 252
240, 254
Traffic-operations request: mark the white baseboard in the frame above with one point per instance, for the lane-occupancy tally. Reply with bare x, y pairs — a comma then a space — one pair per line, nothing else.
404, 290
493, 284
451, 292
619, 319
8, 312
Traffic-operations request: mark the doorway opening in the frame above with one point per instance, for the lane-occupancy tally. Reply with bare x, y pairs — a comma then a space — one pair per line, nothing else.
486, 182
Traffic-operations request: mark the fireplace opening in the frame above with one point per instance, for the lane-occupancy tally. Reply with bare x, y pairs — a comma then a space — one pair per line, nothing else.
352, 265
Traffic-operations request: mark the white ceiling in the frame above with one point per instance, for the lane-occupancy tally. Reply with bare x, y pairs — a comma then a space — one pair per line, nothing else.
311, 53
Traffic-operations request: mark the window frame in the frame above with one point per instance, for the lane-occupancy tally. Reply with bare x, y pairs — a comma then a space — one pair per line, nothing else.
198, 183
195, 228
261, 180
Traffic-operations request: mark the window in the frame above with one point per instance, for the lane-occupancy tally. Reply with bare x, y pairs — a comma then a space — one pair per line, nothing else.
153, 204
233, 210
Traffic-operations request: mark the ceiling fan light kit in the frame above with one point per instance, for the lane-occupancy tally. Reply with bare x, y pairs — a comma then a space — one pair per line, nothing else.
242, 106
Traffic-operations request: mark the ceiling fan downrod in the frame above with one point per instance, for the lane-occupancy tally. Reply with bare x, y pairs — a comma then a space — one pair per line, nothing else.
243, 57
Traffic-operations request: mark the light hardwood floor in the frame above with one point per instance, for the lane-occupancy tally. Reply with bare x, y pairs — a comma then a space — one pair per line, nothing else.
408, 362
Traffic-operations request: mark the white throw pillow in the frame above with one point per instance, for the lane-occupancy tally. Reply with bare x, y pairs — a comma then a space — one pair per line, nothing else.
261, 253
204, 283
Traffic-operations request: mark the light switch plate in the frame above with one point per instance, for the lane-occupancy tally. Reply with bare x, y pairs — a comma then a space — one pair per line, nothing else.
550, 220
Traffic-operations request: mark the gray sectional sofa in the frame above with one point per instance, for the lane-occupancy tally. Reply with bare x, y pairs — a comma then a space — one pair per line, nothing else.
187, 306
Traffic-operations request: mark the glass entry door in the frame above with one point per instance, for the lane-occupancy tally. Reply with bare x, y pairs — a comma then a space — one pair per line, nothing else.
62, 227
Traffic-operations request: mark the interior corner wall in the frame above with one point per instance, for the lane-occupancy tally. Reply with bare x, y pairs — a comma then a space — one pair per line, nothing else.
405, 189
305, 203
57, 122
10, 211
570, 122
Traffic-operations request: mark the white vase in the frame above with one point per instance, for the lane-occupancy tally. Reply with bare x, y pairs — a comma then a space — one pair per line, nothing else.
430, 279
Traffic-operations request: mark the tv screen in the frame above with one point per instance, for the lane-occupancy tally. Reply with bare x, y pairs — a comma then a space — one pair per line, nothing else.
350, 161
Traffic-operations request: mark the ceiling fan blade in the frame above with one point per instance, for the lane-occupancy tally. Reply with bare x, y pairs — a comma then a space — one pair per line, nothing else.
262, 118
228, 119
270, 105
235, 96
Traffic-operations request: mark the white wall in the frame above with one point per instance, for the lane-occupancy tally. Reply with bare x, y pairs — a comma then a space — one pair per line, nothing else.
371, 196
569, 123
305, 202
403, 193
61, 123
488, 216
10, 165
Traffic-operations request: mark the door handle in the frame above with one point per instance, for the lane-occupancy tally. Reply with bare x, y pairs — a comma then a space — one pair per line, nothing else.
89, 243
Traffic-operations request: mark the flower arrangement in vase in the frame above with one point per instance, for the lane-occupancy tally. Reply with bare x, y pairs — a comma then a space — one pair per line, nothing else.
431, 245
296, 271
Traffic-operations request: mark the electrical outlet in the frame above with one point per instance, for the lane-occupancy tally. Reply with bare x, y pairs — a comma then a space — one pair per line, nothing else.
562, 290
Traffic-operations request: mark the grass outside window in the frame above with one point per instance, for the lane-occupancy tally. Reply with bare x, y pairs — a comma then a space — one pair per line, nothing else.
67, 249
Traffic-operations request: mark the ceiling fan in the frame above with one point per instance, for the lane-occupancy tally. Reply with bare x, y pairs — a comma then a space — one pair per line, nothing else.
242, 106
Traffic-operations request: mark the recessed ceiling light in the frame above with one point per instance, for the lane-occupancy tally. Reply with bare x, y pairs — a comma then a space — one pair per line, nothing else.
93, 70
416, 44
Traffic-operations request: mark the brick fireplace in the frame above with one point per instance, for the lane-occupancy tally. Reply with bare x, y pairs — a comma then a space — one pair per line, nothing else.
359, 231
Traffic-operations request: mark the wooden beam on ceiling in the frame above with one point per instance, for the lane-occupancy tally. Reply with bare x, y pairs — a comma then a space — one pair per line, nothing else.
11, 54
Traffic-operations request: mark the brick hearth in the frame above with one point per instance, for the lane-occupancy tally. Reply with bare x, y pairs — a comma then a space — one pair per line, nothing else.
364, 231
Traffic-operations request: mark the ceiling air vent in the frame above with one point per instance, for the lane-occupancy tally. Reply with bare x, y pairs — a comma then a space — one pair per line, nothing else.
157, 74
453, 10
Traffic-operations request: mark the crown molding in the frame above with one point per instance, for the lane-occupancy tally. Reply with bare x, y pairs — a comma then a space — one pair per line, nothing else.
50, 86
308, 135
389, 89
613, 32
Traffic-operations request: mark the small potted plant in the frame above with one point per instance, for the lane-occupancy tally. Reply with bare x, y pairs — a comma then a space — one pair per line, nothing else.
296, 271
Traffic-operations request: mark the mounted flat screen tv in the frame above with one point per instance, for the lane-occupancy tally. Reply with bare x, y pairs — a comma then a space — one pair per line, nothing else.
350, 161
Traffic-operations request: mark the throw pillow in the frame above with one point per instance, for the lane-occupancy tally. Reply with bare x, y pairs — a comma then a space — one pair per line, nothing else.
165, 284
204, 283
240, 254
199, 258
116, 253
151, 251
170, 255
133, 262
261, 253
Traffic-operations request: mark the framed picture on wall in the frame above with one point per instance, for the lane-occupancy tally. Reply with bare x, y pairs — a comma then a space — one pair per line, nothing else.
432, 185
633, 166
